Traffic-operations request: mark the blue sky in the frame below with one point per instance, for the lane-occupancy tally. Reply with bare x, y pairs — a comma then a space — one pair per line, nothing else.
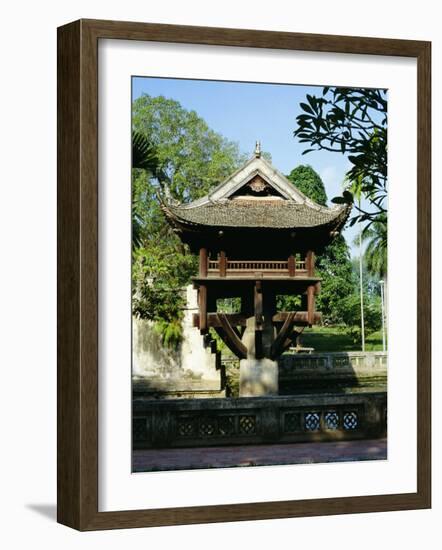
247, 112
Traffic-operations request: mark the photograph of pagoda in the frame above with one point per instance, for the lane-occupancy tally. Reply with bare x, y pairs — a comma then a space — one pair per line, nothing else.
259, 280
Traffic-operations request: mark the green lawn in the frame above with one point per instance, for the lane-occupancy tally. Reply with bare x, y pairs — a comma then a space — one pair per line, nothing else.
322, 339
337, 339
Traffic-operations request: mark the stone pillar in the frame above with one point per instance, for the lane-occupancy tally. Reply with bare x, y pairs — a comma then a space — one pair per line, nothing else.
258, 377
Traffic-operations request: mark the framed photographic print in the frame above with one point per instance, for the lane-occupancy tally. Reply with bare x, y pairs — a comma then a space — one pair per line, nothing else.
243, 274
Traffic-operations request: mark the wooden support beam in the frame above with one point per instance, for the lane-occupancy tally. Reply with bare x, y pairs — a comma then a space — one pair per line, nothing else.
202, 304
259, 350
310, 263
240, 320
203, 262
283, 334
230, 337
222, 264
235, 319
300, 317
290, 341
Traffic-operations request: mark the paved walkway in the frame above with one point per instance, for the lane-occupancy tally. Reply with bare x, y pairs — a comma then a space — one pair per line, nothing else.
259, 455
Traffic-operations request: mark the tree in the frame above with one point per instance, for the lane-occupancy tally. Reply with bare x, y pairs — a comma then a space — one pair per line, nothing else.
351, 312
338, 279
370, 282
351, 121
350, 305
375, 236
144, 154
334, 265
309, 182
143, 158
174, 153
192, 157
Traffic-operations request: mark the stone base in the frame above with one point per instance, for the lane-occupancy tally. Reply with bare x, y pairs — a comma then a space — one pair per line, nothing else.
258, 377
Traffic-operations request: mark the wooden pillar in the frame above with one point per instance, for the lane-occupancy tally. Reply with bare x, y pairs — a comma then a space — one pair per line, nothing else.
292, 265
258, 305
247, 300
222, 264
203, 262
202, 291
310, 304
202, 303
310, 263
311, 289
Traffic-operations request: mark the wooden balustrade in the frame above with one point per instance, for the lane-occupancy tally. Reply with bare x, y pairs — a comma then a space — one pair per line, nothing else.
225, 267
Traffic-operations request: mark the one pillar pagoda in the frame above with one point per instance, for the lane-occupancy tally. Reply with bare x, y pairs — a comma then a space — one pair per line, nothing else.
256, 236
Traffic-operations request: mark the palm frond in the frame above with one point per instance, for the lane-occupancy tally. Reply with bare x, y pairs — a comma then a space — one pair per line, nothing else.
143, 153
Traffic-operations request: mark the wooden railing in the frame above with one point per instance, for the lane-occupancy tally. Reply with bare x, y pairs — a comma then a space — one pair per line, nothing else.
235, 267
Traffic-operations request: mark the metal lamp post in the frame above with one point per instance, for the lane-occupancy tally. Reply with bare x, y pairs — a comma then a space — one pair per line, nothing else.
381, 283
361, 287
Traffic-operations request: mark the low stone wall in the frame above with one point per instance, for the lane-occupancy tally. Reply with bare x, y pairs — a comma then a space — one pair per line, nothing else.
333, 371
356, 361
191, 423
336, 370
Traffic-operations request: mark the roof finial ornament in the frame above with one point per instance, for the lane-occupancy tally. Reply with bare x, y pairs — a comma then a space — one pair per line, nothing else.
258, 149
168, 197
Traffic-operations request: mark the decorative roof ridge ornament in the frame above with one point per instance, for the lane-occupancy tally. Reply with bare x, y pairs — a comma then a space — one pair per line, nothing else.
165, 197
258, 149
213, 202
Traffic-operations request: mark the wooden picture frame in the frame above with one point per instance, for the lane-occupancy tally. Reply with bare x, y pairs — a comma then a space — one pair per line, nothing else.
78, 274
